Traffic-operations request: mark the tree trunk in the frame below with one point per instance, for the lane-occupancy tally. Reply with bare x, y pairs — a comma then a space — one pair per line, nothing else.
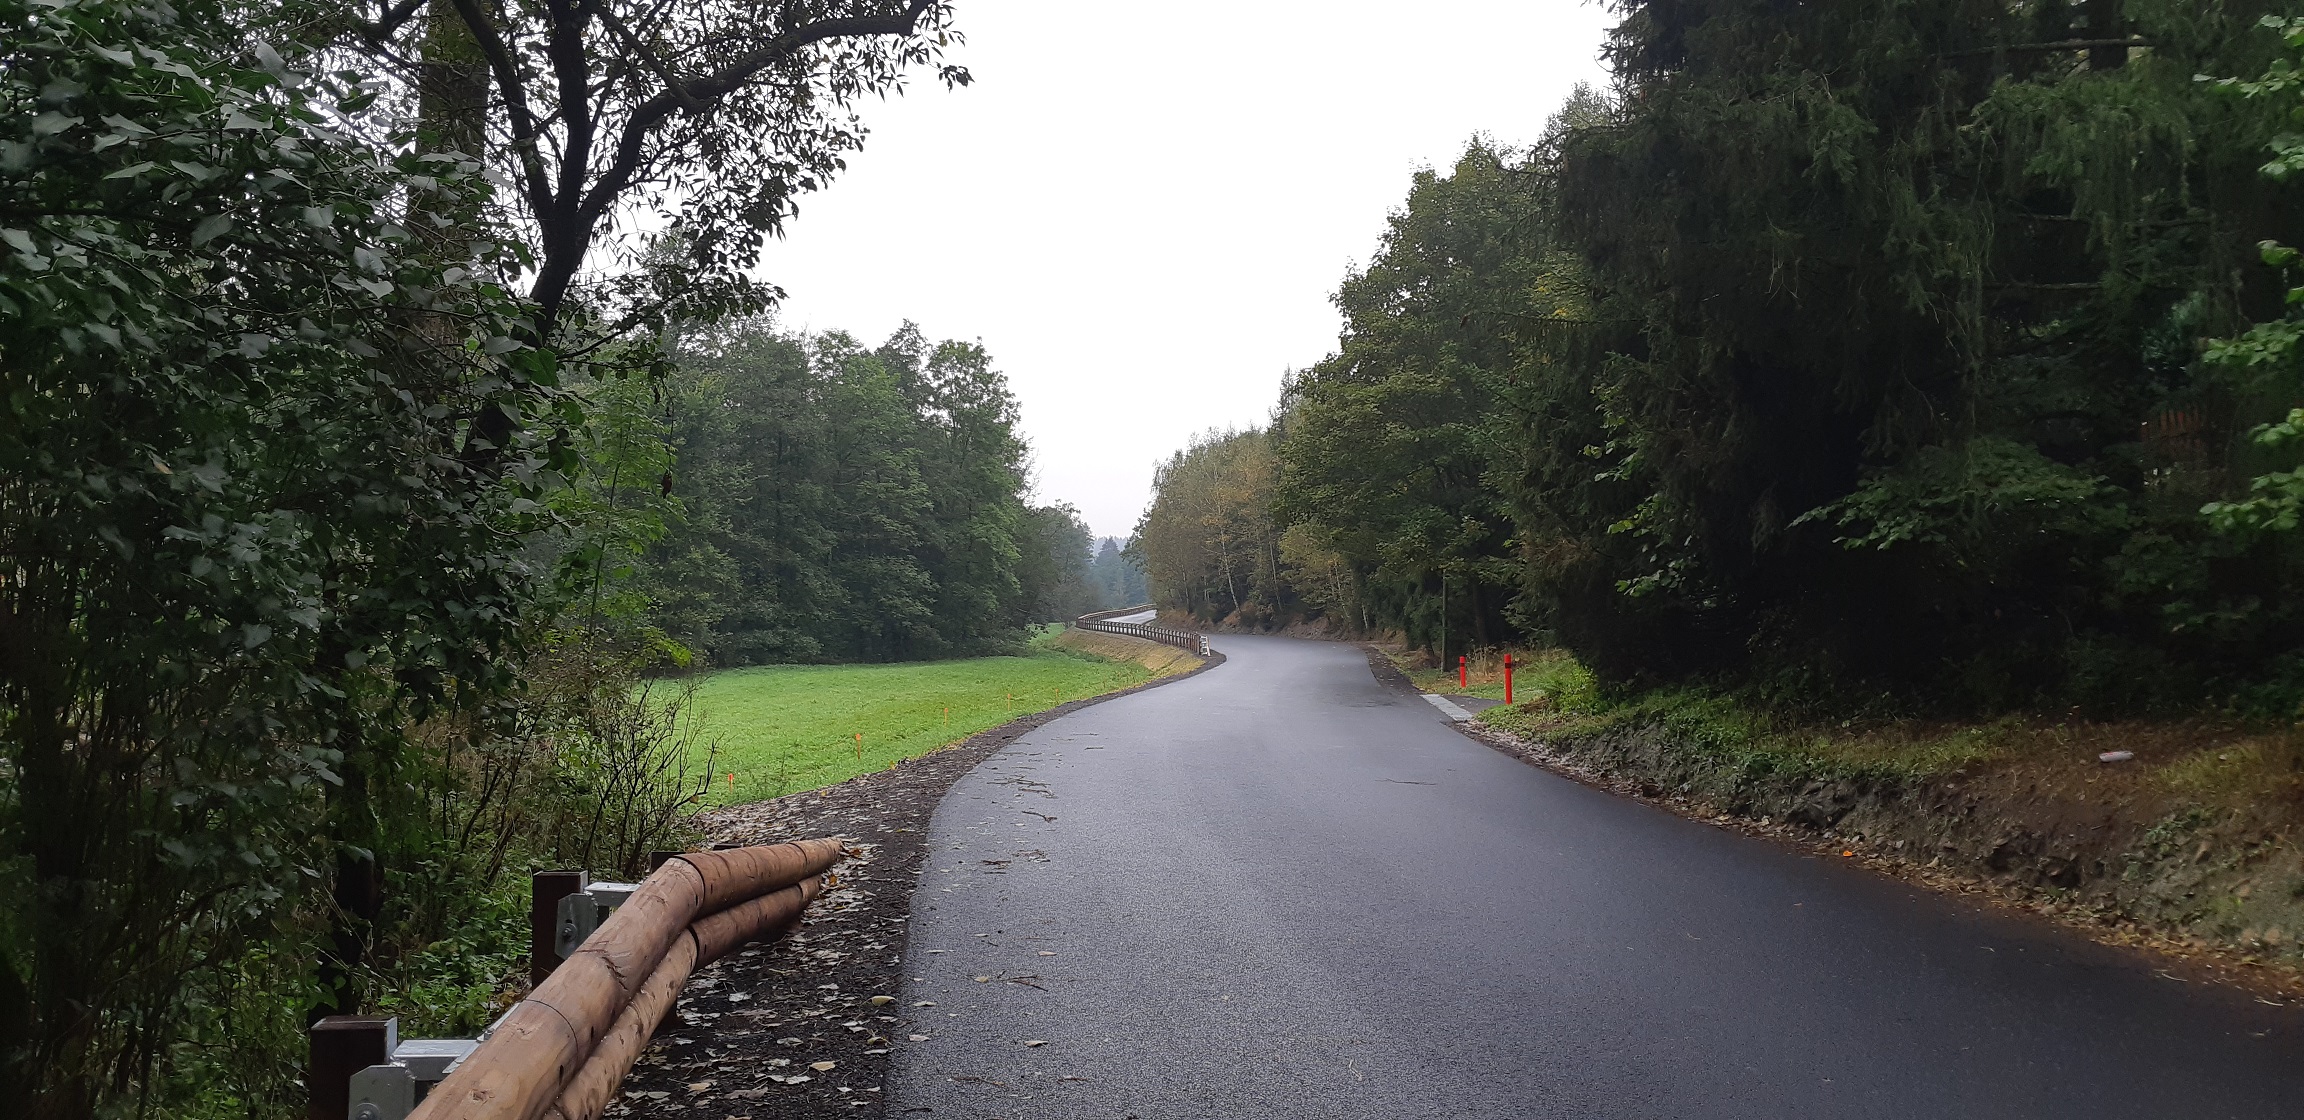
2104, 23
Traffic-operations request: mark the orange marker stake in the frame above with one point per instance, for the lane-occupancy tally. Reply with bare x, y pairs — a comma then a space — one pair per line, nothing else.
1462, 680
859, 746
947, 715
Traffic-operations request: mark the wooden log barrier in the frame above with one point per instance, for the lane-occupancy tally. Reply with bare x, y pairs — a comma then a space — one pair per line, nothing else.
588, 1093
541, 1045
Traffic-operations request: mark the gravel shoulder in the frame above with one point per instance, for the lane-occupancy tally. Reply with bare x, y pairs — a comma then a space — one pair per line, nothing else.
752, 1034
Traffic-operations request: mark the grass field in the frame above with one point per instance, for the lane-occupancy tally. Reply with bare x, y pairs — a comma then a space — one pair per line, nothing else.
785, 728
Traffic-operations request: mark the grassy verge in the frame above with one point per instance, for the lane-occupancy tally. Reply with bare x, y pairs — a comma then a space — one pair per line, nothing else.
781, 729
2192, 842
1549, 679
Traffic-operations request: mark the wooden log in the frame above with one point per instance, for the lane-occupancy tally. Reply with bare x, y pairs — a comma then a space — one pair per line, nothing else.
541, 1043
587, 1094
766, 916
545, 1040
594, 1086
733, 875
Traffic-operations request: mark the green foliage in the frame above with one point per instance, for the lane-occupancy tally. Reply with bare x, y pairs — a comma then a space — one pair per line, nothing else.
1847, 355
1053, 555
1208, 541
849, 504
1391, 448
1116, 576
322, 615
246, 531
2267, 353
1726, 746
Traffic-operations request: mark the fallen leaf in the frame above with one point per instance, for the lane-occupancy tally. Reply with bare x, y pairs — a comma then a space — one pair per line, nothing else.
822, 1067
698, 1086
883, 999
1035, 1042
1046, 953
983, 979
919, 1038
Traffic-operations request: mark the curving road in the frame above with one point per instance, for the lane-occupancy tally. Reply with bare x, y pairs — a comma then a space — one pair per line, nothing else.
1281, 889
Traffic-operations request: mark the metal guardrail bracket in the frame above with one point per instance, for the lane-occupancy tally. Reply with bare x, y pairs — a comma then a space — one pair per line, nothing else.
392, 1090
582, 912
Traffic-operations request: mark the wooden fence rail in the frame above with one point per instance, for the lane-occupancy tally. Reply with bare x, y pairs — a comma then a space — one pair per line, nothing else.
562, 1053
1188, 640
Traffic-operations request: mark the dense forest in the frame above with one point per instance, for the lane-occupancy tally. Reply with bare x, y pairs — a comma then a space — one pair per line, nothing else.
1910, 355
839, 503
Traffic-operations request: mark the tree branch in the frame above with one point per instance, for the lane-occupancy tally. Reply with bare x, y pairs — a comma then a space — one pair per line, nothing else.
565, 246
515, 94
649, 60
391, 21
571, 72
653, 111
2058, 45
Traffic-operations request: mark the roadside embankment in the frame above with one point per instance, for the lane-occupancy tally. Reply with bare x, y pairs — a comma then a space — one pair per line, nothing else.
2190, 845
1162, 660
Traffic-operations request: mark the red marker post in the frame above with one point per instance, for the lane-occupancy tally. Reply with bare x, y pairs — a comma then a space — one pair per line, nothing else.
1463, 676
1507, 678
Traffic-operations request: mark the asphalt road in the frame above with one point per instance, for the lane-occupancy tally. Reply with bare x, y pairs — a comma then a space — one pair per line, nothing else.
1281, 889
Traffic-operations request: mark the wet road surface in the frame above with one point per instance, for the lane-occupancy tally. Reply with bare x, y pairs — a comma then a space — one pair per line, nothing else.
1282, 889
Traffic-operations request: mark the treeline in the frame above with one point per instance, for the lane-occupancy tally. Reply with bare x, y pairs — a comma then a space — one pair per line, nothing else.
1861, 354
839, 503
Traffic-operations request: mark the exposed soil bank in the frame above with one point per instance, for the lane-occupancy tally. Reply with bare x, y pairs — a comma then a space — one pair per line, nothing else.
2189, 848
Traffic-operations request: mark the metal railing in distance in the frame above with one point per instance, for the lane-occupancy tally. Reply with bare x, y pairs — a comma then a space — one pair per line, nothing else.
561, 1053
1188, 640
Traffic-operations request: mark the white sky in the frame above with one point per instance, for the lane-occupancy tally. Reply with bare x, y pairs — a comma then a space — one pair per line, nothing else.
1141, 210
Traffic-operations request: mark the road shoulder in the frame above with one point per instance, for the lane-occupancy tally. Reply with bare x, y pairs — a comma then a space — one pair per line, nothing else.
748, 1031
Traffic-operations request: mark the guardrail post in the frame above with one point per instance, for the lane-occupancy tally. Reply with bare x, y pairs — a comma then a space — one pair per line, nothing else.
342, 1045
545, 890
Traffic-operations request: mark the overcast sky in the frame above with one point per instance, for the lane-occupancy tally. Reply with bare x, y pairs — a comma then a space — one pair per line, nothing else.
1141, 209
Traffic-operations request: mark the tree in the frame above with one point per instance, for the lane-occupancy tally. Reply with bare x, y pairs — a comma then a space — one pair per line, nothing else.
1118, 578
1391, 448
1208, 542
841, 503
1055, 564
715, 117
1908, 376
242, 550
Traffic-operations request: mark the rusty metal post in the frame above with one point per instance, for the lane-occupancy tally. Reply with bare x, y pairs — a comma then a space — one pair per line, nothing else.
342, 1045
545, 890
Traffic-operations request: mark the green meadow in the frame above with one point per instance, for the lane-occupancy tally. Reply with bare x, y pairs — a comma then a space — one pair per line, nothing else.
779, 729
